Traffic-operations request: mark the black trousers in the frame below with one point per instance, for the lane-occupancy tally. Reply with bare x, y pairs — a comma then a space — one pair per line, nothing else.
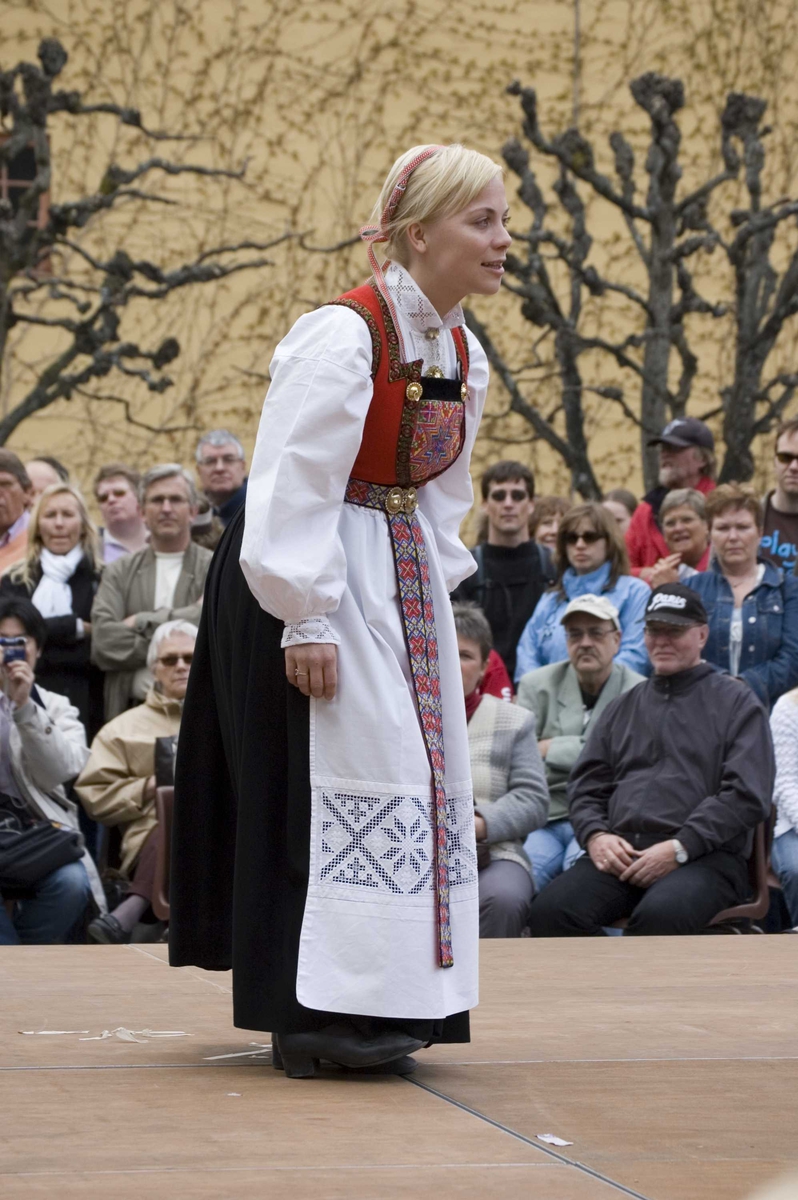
583, 899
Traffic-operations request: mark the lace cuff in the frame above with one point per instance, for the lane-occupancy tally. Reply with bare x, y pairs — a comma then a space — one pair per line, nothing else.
309, 629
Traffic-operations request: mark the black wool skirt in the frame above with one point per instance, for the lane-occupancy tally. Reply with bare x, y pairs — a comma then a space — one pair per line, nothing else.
241, 832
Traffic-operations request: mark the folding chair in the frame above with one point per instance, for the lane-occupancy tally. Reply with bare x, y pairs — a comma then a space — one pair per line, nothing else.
164, 804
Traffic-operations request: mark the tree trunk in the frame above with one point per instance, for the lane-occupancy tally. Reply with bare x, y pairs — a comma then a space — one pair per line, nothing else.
656, 355
583, 479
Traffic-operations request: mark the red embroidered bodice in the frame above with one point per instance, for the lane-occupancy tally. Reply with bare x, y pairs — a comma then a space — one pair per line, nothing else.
415, 427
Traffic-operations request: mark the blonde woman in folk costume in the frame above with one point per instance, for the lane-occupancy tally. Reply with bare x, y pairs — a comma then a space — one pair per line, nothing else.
324, 835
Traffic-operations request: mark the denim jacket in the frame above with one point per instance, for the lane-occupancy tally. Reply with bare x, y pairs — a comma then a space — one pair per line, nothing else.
543, 639
769, 656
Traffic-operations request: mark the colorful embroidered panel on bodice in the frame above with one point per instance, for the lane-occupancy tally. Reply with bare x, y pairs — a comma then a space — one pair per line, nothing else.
415, 427
438, 436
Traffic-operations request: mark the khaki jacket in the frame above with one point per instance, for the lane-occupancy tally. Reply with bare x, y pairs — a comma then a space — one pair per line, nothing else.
127, 588
122, 759
552, 694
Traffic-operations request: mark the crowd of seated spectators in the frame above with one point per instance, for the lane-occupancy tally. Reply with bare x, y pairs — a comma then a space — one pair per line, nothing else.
653, 644
97, 630
666, 739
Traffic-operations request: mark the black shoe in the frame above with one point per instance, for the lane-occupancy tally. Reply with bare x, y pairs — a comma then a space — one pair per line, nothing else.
107, 930
397, 1066
405, 1065
301, 1053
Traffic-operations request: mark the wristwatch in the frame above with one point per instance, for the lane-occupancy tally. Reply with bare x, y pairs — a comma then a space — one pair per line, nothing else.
681, 854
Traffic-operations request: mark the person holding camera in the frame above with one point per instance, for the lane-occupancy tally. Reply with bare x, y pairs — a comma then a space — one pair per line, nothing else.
46, 876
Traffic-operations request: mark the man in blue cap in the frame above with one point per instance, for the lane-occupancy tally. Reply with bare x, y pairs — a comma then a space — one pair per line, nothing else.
686, 460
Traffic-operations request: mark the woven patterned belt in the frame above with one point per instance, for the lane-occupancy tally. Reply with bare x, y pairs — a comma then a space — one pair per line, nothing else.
418, 621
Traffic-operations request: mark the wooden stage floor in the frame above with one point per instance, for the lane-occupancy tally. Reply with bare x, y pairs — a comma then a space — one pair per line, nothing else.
670, 1064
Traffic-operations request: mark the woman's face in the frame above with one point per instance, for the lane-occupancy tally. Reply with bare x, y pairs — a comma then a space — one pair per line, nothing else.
621, 514
586, 549
686, 534
735, 539
546, 532
467, 249
472, 664
60, 523
173, 664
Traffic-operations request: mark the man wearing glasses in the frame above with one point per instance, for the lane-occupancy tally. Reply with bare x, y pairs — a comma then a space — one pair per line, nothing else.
513, 571
780, 535
674, 778
222, 469
567, 698
137, 593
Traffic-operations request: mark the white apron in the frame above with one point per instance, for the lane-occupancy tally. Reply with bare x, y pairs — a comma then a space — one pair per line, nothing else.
369, 934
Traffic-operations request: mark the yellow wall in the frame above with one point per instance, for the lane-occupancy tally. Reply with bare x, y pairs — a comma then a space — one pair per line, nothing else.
319, 98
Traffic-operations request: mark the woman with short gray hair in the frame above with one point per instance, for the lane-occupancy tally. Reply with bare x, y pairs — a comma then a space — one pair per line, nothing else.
511, 796
683, 521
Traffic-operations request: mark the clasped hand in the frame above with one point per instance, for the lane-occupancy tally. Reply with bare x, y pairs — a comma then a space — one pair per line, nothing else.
313, 668
641, 868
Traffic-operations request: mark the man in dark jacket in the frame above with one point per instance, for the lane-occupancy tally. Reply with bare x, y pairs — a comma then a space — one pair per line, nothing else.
513, 571
673, 779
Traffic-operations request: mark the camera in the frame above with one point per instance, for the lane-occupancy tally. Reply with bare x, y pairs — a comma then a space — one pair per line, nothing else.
14, 649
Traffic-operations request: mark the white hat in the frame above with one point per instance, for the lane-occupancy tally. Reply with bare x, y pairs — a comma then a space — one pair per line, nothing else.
594, 606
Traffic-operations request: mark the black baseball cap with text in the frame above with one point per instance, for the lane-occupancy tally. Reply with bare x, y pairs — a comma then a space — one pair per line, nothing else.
685, 431
675, 604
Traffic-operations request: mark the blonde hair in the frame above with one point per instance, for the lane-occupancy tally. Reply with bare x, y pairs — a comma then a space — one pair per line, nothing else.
24, 572
444, 184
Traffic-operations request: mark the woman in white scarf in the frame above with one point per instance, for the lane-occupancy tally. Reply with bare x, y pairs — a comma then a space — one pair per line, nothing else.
60, 576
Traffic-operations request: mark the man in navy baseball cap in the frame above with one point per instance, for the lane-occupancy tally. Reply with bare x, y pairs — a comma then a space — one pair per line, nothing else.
686, 460
674, 604
675, 775
685, 431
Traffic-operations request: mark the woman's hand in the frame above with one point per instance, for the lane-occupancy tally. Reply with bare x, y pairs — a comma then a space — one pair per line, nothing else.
313, 668
666, 570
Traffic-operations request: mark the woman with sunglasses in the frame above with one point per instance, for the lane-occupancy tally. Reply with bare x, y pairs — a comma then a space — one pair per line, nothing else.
591, 557
117, 785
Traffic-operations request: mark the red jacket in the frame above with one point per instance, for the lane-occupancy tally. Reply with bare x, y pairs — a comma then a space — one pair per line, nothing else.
644, 539
496, 681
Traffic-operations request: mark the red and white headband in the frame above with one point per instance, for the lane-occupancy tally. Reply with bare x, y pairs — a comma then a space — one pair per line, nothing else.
372, 234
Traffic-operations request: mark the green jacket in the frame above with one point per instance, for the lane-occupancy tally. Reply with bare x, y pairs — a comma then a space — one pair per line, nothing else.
552, 693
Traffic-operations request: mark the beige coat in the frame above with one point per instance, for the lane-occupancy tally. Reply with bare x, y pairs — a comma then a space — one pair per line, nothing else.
127, 588
122, 759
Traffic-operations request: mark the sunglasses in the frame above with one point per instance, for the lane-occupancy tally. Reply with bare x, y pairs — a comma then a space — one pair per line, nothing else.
589, 538
785, 458
516, 494
171, 660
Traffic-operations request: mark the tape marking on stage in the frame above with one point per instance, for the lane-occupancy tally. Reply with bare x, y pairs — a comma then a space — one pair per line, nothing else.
561, 1158
486, 1062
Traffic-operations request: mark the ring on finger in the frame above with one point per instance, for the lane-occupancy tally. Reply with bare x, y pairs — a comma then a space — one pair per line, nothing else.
300, 673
